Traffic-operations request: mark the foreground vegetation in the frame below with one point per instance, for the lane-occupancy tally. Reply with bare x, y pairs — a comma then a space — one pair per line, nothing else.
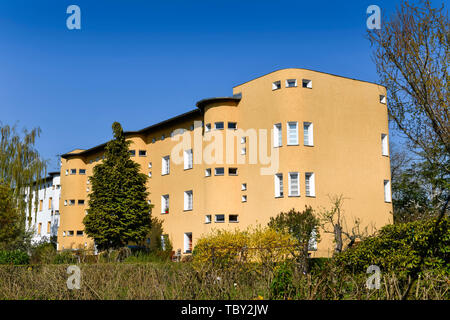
181, 281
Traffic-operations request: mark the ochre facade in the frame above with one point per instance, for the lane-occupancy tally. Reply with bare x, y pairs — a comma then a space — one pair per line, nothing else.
348, 117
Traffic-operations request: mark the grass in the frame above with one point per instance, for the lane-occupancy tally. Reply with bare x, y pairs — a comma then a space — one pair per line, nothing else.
180, 281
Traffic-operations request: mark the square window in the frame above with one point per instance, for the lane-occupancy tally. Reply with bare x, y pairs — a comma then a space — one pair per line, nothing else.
208, 127
243, 186
82, 171
219, 218
142, 153
234, 218
81, 202
307, 83
67, 172
73, 171
70, 233
243, 140
132, 153
232, 125
79, 232
208, 172
382, 99
276, 85
219, 171
71, 202
244, 198
149, 164
218, 125
232, 171
208, 218
243, 151
150, 174
291, 83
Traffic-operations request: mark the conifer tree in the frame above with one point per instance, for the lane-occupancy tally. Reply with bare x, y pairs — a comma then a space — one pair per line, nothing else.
118, 209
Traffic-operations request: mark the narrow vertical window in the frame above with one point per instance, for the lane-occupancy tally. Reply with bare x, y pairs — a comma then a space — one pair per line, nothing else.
188, 242
310, 188
387, 191
292, 133
188, 159
384, 144
294, 185
277, 135
308, 136
165, 165
165, 203
188, 200
278, 185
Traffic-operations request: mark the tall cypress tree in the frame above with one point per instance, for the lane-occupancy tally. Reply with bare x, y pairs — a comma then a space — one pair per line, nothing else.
118, 210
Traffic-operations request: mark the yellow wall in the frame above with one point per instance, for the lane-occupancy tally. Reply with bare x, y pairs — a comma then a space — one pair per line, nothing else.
346, 158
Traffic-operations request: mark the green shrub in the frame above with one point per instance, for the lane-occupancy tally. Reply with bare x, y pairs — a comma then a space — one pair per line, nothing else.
44, 253
15, 257
281, 286
64, 257
318, 264
399, 248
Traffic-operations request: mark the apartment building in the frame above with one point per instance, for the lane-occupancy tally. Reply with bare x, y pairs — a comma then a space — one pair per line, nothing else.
284, 140
45, 216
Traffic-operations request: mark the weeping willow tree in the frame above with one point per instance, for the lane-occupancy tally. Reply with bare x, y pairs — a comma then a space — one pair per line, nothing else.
22, 171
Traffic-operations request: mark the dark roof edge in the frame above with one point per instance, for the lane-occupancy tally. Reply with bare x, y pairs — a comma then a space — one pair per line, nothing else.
159, 124
331, 74
202, 103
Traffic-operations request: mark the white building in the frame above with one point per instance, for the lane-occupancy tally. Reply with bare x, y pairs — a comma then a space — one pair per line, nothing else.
45, 221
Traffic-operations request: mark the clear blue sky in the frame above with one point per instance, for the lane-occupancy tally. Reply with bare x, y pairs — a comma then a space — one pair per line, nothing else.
140, 62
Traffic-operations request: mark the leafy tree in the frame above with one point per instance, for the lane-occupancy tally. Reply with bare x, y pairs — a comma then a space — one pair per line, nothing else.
10, 226
21, 174
301, 225
118, 210
411, 53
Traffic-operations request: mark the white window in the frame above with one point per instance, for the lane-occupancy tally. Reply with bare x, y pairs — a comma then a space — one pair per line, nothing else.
208, 172
243, 186
310, 187
149, 165
188, 242
387, 191
165, 203
382, 99
294, 184
65, 202
219, 218
276, 85
307, 83
243, 151
279, 185
244, 198
243, 140
208, 218
165, 165
308, 134
73, 171
82, 171
149, 174
188, 159
292, 131
277, 135
219, 171
290, 83
67, 172
218, 125
188, 200
384, 144
208, 127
